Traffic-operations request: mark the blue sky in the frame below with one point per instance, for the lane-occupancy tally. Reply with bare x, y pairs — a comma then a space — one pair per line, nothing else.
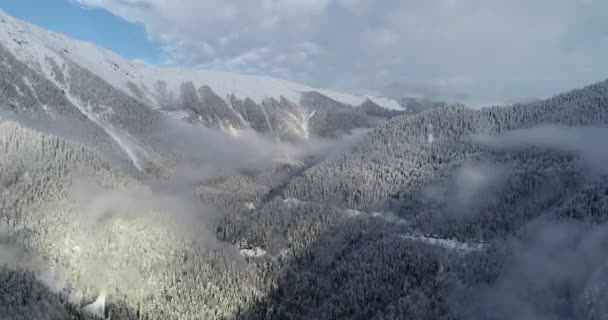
94, 25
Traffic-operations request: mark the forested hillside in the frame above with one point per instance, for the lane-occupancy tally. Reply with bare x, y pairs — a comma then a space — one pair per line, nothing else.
185, 201
450, 214
488, 198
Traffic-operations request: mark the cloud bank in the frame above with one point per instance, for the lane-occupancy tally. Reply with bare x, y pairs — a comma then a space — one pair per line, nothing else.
475, 185
589, 143
212, 153
556, 270
471, 51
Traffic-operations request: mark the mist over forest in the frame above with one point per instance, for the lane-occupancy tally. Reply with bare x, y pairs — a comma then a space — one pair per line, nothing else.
130, 193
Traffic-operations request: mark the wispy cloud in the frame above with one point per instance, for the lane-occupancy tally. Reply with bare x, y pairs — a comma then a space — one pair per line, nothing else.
470, 50
587, 142
470, 188
215, 152
556, 270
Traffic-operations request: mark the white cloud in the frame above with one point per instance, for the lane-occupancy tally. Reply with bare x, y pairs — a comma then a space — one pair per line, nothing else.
473, 50
587, 142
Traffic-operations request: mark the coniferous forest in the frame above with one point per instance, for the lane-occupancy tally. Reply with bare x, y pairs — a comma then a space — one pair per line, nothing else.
210, 207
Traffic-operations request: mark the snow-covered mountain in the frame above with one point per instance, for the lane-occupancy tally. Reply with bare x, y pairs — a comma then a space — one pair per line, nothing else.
49, 71
451, 213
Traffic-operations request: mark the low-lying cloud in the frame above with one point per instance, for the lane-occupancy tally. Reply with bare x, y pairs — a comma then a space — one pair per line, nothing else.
555, 270
215, 153
180, 205
471, 187
16, 258
197, 151
589, 143
197, 154
475, 185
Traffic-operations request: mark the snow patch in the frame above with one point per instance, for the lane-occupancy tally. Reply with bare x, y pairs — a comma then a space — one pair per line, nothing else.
238, 115
299, 126
451, 244
389, 217
270, 127
291, 201
178, 114
123, 141
126, 144
353, 212
386, 216
233, 131
284, 253
255, 252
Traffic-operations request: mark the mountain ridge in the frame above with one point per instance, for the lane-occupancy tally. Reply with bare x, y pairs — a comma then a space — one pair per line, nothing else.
53, 75
209, 206
119, 72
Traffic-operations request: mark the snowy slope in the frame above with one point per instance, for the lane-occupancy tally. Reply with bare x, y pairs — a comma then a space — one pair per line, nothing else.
33, 45
256, 88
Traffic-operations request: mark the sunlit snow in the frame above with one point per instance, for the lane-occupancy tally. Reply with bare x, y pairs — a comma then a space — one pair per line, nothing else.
32, 44
254, 252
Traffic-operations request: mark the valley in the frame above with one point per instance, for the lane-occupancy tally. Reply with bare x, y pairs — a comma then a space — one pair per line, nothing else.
134, 192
